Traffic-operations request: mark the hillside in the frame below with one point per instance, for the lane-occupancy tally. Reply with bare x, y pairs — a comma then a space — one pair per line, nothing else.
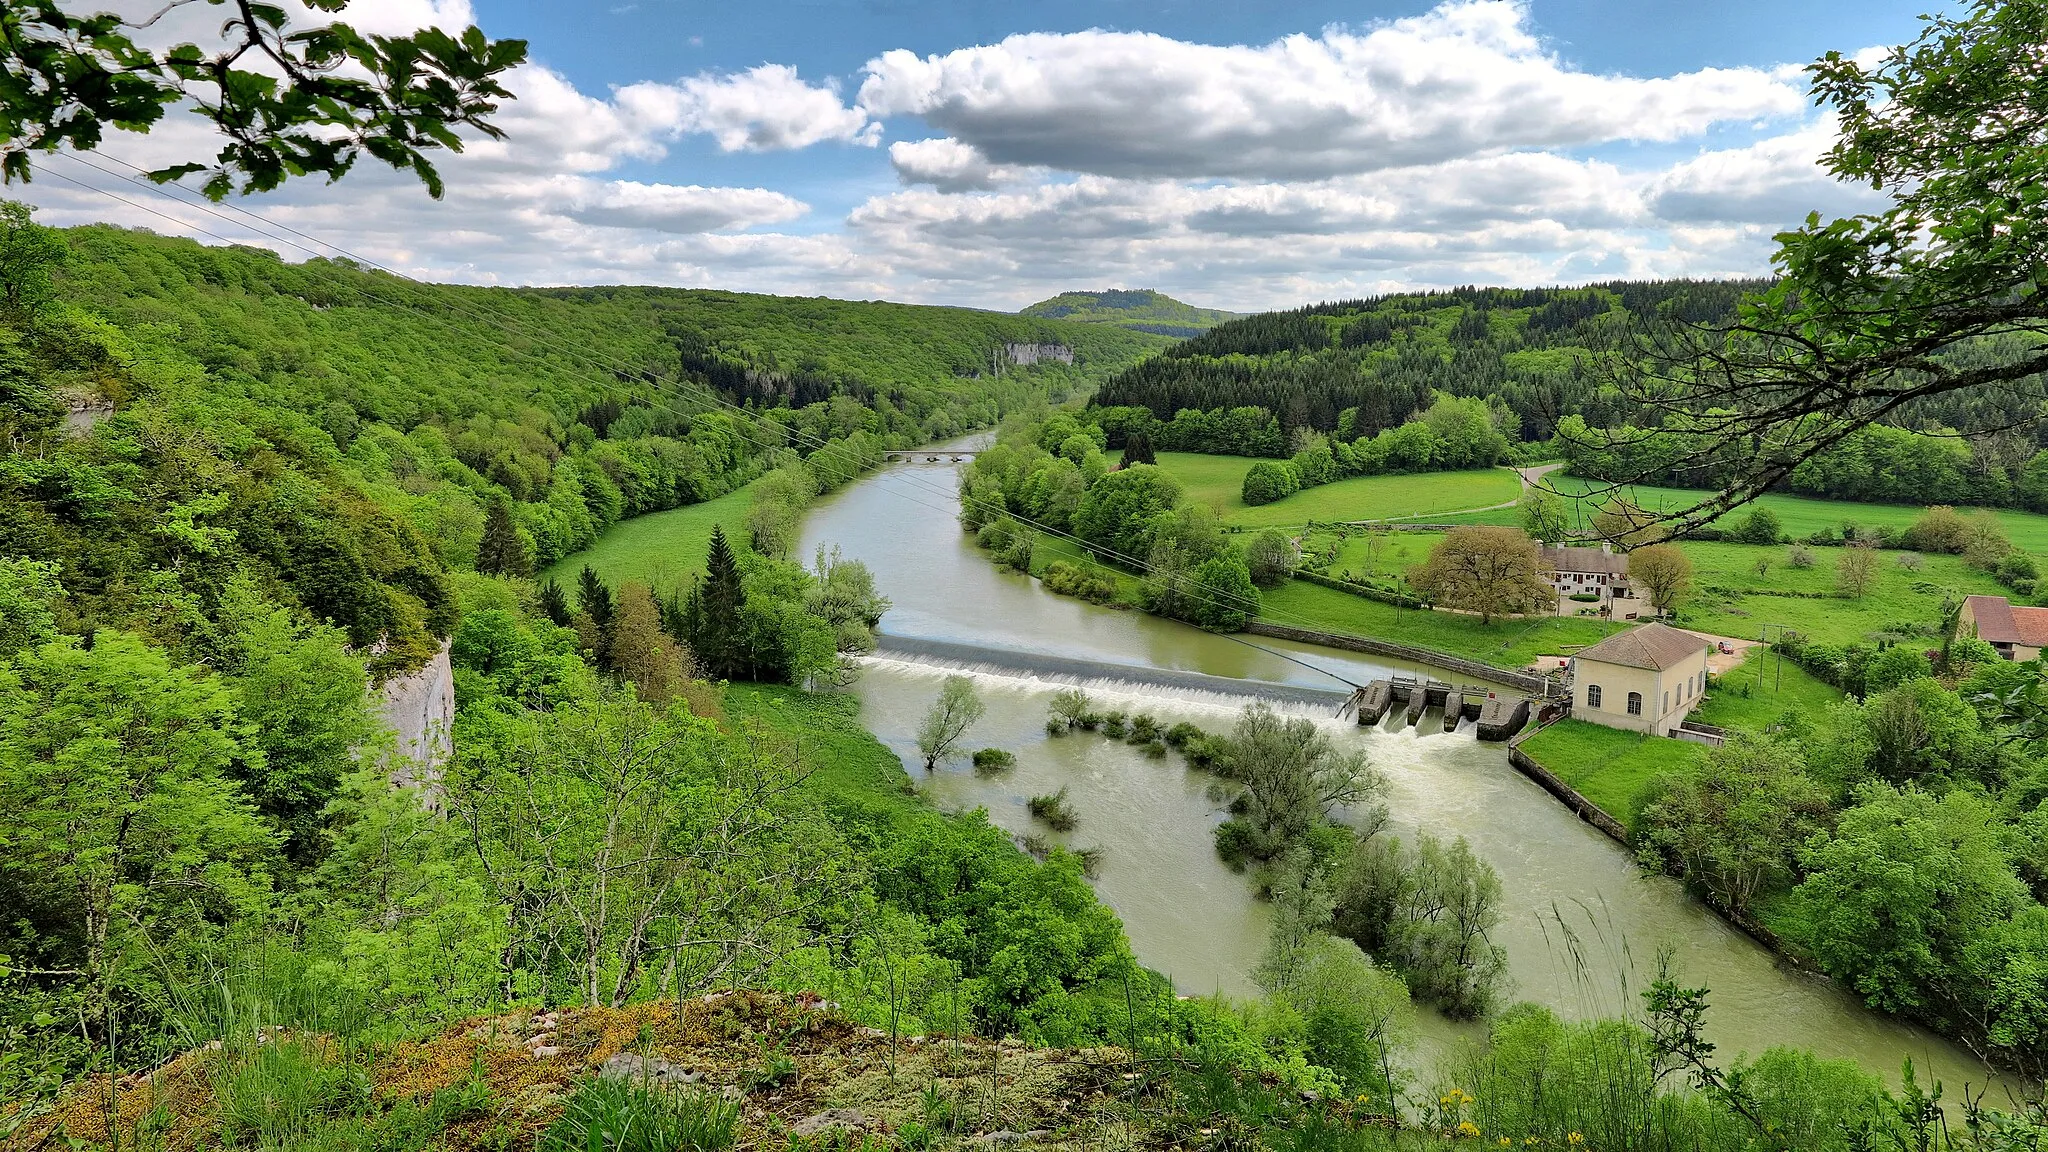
1383, 356
1139, 310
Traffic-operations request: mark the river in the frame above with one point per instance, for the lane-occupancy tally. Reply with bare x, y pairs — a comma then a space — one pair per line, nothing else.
1584, 926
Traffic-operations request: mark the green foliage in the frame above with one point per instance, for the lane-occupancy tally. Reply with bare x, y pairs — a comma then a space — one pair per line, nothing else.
994, 759
1732, 824
958, 708
1142, 310
614, 1114
1268, 481
1055, 809
67, 77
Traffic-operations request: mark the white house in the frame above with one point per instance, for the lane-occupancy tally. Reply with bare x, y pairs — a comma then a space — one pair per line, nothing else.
1600, 572
1645, 679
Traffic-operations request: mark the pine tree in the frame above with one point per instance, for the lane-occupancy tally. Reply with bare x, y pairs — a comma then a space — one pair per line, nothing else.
595, 598
717, 634
554, 603
501, 552
1138, 450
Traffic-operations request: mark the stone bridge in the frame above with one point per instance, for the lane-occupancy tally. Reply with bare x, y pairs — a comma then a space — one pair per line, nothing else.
932, 456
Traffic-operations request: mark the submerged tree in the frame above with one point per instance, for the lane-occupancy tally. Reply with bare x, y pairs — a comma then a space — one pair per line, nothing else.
957, 709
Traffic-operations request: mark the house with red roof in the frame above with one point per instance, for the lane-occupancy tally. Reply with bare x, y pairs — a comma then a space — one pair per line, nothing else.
2017, 631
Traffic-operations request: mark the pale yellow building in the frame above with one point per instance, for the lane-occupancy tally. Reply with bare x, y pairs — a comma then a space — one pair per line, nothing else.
2015, 630
1646, 679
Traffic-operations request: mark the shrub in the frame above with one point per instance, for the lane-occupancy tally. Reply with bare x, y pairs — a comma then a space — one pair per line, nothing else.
994, 759
1799, 556
1070, 579
1069, 707
1113, 725
1270, 480
1939, 529
1056, 810
2016, 567
1144, 729
1759, 527
1179, 735
1910, 561
1155, 748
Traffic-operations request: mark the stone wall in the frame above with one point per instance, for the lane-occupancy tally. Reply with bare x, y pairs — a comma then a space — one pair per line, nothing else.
1526, 681
419, 709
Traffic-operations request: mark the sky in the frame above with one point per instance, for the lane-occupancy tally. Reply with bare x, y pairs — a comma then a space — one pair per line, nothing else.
1233, 153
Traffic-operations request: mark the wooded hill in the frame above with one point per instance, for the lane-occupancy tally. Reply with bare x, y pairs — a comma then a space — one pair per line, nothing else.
347, 437
1139, 310
1384, 355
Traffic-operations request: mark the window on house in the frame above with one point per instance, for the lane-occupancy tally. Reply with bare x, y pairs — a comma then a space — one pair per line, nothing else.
1592, 695
1635, 703
1667, 702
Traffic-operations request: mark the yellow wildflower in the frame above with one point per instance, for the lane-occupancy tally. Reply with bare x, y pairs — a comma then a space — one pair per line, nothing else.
1467, 1128
1575, 1139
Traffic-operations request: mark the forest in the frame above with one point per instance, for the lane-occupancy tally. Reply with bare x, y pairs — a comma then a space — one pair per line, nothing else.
1354, 379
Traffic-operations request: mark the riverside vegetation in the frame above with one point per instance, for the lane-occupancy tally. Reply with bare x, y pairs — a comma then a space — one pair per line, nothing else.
238, 493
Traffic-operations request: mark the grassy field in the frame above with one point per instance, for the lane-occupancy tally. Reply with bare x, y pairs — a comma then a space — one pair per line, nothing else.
1504, 643
1398, 552
1800, 515
1606, 765
1753, 697
1218, 482
1898, 599
660, 548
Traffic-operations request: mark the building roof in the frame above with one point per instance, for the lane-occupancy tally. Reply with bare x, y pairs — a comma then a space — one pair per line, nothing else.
1586, 560
1652, 646
1999, 621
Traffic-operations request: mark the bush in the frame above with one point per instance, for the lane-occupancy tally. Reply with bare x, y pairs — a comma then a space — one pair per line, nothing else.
1056, 810
1759, 527
1939, 529
1069, 579
1799, 556
1144, 729
1155, 748
1113, 725
1069, 707
994, 760
1270, 480
1910, 561
2015, 568
1179, 735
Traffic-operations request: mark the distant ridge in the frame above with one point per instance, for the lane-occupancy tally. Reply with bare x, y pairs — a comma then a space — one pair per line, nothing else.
1136, 309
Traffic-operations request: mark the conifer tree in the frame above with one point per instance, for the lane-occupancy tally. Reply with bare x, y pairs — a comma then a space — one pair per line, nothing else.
554, 603
1138, 450
501, 552
716, 631
595, 598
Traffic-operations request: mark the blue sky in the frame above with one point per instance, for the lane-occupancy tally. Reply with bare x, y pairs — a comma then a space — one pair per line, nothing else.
1243, 155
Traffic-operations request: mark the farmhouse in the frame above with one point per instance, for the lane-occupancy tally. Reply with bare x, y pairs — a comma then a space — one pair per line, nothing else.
2015, 630
1645, 679
1598, 571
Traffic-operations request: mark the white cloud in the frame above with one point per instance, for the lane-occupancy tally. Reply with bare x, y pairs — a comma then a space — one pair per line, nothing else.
1776, 180
948, 165
1443, 150
764, 109
1468, 78
673, 208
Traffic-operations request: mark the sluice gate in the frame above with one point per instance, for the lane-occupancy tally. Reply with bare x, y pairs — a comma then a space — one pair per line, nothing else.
1498, 716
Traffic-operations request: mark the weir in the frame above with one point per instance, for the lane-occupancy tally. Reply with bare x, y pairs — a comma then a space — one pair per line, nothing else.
1103, 674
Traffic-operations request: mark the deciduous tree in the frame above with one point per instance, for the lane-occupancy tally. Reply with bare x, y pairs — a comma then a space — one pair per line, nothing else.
957, 709
1488, 571
290, 101
1663, 573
